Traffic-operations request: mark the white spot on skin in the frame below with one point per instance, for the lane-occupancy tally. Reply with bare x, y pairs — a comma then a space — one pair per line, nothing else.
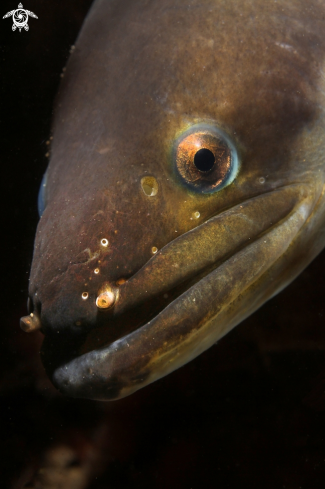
104, 242
261, 180
196, 214
154, 250
96, 271
84, 296
283, 45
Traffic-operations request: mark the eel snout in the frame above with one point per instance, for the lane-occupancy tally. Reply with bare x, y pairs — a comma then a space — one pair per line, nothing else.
240, 245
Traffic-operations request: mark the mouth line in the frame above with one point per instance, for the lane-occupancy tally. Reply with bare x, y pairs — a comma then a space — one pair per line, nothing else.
227, 241
203, 313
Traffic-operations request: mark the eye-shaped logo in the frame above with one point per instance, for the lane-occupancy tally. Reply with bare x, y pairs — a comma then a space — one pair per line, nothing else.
206, 159
20, 18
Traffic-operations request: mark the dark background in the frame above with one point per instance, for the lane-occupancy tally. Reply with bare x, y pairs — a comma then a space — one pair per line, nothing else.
248, 413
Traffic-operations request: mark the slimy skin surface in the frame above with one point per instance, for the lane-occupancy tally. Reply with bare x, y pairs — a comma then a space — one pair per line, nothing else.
185, 186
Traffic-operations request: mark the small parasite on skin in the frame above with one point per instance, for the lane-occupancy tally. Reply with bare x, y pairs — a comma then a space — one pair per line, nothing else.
96, 271
105, 300
104, 242
261, 180
196, 214
84, 295
154, 250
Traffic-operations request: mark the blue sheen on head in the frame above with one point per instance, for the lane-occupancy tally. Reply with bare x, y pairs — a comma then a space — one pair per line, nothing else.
41, 200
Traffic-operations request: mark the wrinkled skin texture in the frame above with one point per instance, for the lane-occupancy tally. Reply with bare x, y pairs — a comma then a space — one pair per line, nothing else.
142, 73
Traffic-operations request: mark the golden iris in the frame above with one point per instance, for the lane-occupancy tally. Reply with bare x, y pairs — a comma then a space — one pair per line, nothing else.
204, 158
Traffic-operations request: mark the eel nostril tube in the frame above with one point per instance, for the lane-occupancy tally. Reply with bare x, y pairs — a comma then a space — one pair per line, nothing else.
30, 323
106, 299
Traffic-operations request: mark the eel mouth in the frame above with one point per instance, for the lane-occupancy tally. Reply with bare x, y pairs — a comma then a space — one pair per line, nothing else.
209, 270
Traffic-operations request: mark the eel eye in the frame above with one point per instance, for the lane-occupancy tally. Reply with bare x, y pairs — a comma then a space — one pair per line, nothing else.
206, 159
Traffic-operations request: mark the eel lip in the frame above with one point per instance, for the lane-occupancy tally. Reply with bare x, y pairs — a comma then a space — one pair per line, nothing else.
245, 242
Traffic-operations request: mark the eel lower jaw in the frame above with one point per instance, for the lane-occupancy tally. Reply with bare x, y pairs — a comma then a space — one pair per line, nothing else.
199, 316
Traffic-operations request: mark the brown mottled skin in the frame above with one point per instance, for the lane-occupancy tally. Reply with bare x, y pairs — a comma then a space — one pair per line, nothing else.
142, 73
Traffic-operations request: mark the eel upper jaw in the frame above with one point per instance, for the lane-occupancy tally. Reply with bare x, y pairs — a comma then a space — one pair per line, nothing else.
203, 313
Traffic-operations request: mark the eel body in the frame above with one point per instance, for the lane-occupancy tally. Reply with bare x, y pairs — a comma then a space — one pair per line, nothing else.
185, 185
